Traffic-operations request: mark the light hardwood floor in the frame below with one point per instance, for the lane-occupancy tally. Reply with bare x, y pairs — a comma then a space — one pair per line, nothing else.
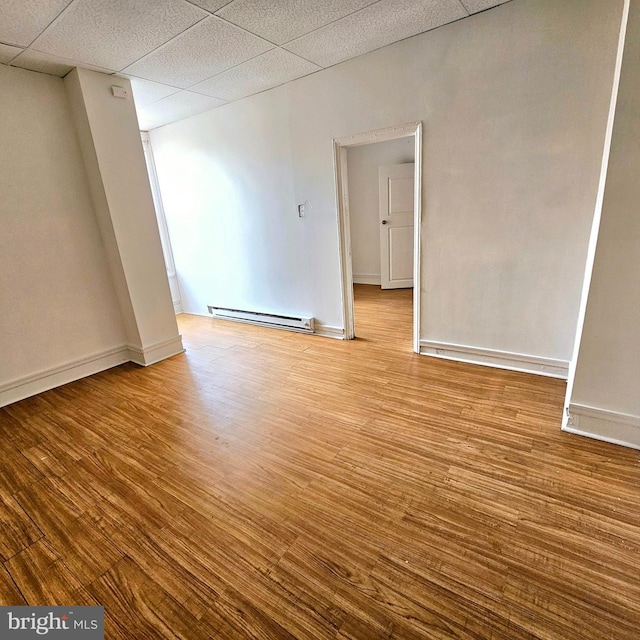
274, 485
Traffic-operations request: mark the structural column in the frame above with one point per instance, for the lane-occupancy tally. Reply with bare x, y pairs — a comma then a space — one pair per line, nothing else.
107, 128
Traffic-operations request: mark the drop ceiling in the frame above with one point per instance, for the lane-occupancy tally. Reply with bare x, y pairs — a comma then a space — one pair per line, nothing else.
188, 56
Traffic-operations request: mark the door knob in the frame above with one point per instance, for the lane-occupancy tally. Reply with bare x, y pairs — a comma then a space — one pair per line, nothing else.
384, 222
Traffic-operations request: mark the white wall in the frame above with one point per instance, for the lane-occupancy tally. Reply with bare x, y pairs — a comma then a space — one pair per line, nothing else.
362, 171
606, 393
231, 208
57, 299
514, 103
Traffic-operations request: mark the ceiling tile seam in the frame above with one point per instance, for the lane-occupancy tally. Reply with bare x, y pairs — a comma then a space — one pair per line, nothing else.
464, 8
8, 63
51, 23
189, 88
164, 44
71, 62
390, 44
495, 6
275, 86
302, 57
173, 95
237, 26
15, 46
44, 73
207, 95
12, 44
329, 23
128, 76
213, 13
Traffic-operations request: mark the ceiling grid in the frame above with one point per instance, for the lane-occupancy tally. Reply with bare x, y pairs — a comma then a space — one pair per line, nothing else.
188, 56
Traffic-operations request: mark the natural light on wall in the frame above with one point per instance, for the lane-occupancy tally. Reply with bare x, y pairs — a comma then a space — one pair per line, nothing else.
208, 232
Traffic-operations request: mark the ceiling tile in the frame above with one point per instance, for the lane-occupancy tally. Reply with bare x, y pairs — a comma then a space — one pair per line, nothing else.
211, 5
264, 72
373, 27
146, 92
212, 46
21, 21
283, 20
48, 63
473, 6
144, 124
115, 33
178, 106
8, 53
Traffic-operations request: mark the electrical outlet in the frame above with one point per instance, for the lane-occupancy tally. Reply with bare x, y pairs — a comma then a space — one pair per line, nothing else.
302, 210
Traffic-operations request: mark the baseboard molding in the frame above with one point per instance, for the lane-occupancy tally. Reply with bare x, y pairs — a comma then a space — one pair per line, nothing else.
329, 332
27, 386
609, 426
366, 278
145, 356
497, 359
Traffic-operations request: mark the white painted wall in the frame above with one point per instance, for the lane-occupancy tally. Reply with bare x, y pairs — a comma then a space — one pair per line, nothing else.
514, 103
231, 208
362, 172
57, 299
608, 365
114, 161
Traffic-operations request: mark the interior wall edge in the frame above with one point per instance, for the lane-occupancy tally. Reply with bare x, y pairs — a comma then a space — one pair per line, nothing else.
597, 215
150, 354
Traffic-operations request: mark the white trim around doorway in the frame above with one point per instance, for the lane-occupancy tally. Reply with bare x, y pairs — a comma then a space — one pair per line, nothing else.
340, 146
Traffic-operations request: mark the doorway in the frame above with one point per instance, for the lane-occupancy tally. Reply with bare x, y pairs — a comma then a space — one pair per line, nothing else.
406, 234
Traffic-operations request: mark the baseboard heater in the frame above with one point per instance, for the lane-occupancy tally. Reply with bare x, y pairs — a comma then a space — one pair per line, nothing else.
303, 324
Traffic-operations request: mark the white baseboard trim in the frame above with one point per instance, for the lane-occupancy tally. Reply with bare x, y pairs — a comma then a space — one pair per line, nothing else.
494, 358
328, 332
366, 278
27, 386
601, 424
145, 356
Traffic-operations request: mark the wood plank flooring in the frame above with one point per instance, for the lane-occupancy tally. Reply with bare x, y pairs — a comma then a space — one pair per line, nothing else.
274, 485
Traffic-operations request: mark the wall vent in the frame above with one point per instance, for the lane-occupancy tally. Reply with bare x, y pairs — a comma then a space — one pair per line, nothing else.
303, 324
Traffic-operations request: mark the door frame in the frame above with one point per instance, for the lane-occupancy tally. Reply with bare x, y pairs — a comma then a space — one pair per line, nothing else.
340, 146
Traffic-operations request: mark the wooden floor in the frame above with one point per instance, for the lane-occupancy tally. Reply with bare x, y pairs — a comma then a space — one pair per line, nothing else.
275, 485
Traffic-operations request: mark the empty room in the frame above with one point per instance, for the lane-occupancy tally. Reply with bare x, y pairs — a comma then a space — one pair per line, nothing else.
320, 319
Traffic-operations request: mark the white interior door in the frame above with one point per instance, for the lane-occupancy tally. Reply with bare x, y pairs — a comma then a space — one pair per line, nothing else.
396, 225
